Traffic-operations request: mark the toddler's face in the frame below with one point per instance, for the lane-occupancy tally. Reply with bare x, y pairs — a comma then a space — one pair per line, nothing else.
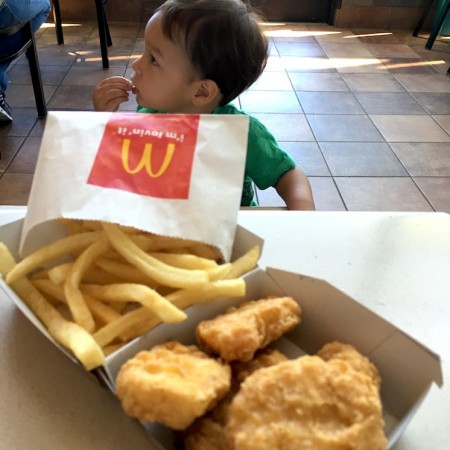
164, 78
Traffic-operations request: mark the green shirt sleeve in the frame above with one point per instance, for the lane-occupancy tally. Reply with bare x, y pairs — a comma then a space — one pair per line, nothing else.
266, 161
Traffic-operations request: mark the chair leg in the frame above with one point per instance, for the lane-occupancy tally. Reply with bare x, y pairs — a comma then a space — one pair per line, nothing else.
36, 79
437, 25
423, 17
103, 34
58, 22
108, 35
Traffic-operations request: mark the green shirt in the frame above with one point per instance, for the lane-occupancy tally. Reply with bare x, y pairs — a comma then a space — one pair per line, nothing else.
266, 162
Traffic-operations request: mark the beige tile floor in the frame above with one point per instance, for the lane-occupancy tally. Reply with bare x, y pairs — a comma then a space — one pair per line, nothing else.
365, 113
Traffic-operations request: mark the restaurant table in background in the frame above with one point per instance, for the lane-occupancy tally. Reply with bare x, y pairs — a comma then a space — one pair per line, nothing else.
397, 264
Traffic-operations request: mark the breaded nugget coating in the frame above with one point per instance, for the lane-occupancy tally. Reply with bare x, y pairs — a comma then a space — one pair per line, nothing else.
263, 358
171, 384
208, 432
240, 332
349, 354
306, 404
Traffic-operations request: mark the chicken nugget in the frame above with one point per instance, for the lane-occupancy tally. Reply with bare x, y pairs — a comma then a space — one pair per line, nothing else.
240, 332
349, 354
171, 384
307, 404
208, 432
263, 358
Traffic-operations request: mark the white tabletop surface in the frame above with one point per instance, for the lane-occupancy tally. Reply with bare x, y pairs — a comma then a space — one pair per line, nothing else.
396, 264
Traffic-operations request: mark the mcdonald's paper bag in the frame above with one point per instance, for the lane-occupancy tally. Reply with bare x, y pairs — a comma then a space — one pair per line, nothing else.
172, 174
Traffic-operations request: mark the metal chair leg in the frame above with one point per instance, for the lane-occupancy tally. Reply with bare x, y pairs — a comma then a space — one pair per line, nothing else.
108, 35
423, 17
58, 22
35, 71
103, 33
437, 25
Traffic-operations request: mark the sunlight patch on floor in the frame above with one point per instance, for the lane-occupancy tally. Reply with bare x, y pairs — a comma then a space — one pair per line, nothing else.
64, 25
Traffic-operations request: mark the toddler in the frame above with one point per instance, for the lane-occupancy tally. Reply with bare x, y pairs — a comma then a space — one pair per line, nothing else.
199, 56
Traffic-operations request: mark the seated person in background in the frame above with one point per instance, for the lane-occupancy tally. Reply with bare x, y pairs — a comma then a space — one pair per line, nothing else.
12, 13
199, 56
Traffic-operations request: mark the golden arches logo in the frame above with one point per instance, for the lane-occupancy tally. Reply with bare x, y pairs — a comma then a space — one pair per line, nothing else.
146, 159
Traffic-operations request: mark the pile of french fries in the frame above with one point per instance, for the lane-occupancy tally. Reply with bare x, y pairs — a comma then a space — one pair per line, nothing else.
105, 284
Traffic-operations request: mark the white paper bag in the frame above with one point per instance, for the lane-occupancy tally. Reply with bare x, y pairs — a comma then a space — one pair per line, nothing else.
172, 174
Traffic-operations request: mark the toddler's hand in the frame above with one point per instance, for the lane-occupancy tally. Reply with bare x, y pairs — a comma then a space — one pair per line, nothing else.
110, 93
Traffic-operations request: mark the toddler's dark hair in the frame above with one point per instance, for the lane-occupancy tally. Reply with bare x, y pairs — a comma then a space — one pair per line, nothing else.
223, 39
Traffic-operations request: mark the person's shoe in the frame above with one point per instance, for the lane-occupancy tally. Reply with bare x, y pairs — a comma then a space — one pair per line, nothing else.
5, 111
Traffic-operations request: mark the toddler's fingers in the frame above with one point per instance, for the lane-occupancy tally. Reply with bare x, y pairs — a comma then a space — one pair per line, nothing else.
113, 92
113, 105
116, 82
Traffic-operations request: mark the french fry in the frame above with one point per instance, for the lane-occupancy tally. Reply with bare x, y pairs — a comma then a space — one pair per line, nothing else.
68, 334
185, 260
96, 225
149, 242
102, 313
58, 274
205, 251
216, 289
178, 250
160, 272
75, 300
94, 275
140, 294
185, 298
50, 252
51, 289
153, 243
108, 349
219, 272
141, 320
119, 284
191, 262
72, 226
244, 264
110, 332
39, 275
124, 272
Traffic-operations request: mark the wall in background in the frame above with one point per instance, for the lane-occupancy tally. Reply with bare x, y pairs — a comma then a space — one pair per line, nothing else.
378, 14
381, 14
116, 10
401, 3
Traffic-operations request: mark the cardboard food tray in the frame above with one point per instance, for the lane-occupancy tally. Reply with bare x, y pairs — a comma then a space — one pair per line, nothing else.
407, 367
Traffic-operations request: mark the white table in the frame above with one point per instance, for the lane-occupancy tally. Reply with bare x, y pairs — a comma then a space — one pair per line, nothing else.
396, 264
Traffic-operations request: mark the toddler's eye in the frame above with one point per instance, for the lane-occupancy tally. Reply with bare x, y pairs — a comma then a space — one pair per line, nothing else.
153, 61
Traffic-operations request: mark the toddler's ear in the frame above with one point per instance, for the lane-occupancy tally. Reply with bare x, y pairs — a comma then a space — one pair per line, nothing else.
206, 92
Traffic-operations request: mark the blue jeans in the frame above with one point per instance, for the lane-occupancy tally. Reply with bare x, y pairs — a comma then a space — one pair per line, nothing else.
15, 12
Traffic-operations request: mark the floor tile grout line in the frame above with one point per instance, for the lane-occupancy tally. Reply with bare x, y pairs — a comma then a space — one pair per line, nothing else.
423, 193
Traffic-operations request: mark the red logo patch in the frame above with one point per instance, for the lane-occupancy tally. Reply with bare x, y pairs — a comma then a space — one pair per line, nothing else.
148, 154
